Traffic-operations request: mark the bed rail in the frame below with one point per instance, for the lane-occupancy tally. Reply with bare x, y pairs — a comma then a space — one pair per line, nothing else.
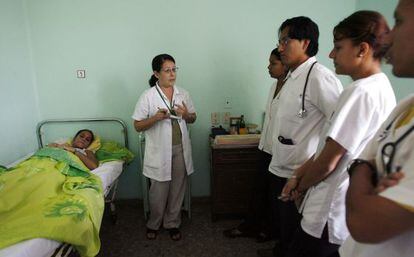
80, 120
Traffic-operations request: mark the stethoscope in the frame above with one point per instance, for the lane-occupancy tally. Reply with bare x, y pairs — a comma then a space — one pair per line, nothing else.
170, 108
388, 149
303, 112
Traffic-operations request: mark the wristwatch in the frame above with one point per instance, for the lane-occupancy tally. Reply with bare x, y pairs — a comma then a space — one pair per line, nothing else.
357, 162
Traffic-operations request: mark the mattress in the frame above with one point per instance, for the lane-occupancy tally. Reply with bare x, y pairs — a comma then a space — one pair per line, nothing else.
41, 247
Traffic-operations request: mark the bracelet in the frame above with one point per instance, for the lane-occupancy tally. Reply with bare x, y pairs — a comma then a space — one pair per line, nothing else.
357, 162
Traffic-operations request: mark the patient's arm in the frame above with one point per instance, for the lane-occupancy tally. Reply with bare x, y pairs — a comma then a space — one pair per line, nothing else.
89, 159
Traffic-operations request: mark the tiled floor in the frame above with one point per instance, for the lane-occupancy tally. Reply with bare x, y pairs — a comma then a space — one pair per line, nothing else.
201, 236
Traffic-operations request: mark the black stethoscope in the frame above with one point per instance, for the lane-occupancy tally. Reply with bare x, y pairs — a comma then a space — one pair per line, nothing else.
170, 108
303, 112
388, 150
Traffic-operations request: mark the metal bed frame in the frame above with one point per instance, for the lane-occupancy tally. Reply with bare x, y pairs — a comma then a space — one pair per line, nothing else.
113, 188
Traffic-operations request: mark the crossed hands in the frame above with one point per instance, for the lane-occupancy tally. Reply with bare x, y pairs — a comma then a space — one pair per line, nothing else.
290, 192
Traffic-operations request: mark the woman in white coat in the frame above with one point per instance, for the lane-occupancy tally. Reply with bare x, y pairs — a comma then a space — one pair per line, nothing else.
361, 109
163, 112
381, 220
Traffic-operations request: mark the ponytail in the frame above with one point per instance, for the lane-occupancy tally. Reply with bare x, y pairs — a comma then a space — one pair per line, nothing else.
153, 80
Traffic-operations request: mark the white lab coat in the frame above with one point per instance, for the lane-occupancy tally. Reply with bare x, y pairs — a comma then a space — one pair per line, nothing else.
362, 108
158, 138
403, 193
265, 143
321, 96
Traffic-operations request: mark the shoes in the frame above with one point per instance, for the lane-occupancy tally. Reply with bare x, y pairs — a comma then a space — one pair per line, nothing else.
268, 252
151, 234
263, 237
233, 233
175, 234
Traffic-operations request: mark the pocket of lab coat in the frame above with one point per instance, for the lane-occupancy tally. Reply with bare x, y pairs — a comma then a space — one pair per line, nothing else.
152, 156
285, 153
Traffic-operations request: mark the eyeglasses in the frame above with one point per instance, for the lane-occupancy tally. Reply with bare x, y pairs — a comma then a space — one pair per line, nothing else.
171, 70
283, 41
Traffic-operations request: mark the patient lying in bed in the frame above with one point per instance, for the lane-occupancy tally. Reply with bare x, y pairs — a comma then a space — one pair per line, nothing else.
79, 146
54, 195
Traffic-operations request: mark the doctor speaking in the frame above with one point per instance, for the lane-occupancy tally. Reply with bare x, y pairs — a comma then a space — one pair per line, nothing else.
163, 112
362, 107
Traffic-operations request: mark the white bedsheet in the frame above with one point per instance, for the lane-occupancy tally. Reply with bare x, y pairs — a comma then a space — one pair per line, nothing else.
42, 247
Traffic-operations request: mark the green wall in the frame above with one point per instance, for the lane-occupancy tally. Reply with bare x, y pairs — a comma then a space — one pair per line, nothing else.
402, 87
222, 48
18, 103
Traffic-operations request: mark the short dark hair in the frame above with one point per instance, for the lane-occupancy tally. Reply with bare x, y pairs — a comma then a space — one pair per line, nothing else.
276, 53
87, 130
301, 28
157, 63
364, 26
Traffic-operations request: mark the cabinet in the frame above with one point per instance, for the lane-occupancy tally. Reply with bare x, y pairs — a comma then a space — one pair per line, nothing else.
233, 175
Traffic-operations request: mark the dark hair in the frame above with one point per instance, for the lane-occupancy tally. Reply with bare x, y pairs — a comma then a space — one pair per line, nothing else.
364, 26
276, 53
157, 63
87, 130
301, 28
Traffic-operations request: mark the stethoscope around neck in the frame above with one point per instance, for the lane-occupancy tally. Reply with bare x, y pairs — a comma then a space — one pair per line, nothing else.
388, 149
303, 112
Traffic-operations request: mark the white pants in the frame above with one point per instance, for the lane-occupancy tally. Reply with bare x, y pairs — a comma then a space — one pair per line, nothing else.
166, 198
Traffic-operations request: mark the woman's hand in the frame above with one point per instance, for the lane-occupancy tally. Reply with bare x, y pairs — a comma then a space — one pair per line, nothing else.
161, 114
68, 148
288, 189
182, 110
389, 181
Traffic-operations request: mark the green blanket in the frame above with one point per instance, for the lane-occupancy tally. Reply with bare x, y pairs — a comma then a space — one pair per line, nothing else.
110, 151
51, 195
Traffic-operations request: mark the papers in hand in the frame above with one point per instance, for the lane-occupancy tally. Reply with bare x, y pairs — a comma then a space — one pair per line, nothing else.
175, 117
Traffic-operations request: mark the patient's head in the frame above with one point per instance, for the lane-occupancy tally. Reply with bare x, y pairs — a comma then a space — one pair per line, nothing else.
83, 138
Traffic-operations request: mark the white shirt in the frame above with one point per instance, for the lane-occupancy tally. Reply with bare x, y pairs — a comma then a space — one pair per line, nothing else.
362, 107
403, 193
321, 96
265, 143
158, 138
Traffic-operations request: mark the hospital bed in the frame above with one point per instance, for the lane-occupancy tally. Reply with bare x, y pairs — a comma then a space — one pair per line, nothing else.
109, 173
146, 182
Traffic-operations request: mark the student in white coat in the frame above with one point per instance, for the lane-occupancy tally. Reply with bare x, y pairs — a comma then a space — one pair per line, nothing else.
361, 109
381, 219
261, 221
163, 112
305, 101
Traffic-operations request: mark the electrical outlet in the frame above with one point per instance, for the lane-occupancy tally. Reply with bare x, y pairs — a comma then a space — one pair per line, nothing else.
227, 102
81, 74
215, 118
226, 117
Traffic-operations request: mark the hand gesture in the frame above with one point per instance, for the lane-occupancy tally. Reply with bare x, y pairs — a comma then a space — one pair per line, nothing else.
161, 114
181, 110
